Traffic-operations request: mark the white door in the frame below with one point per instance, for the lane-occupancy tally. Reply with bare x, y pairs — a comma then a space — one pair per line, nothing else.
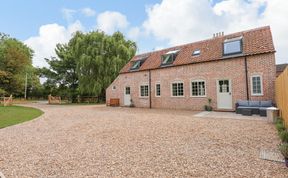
127, 96
224, 94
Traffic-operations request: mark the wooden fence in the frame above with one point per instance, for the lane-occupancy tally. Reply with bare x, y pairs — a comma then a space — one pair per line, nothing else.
282, 95
6, 101
54, 99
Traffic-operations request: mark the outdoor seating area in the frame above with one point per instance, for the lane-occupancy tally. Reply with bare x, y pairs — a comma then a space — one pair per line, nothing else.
248, 108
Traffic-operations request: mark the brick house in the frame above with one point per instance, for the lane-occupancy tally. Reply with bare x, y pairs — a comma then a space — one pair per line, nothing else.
224, 68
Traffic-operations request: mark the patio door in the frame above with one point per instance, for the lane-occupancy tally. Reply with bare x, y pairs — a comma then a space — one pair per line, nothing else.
224, 94
127, 96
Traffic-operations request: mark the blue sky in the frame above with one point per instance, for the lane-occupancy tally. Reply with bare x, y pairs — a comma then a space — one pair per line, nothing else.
22, 19
153, 24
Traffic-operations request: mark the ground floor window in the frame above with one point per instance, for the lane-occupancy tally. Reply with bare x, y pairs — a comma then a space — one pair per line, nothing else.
158, 89
144, 90
198, 88
127, 90
177, 89
256, 83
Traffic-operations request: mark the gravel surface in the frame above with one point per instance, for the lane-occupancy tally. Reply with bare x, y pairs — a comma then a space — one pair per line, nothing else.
99, 141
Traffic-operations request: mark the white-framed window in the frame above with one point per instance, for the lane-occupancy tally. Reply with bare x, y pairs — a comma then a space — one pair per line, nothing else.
157, 90
256, 85
198, 88
114, 87
177, 89
144, 90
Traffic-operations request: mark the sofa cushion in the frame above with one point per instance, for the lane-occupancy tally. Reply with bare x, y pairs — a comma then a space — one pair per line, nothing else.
266, 103
248, 107
254, 103
243, 103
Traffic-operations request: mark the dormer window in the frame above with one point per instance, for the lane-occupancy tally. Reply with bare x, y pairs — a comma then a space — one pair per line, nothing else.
169, 58
232, 46
138, 63
196, 52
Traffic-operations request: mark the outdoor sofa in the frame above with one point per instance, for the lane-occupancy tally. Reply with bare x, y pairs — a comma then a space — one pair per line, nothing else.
246, 107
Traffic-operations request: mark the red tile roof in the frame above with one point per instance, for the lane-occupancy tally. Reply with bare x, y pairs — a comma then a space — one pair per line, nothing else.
255, 41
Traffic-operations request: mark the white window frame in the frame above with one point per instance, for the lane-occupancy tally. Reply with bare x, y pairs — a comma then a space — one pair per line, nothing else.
205, 88
114, 87
261, 83
157, 83
171, 88
140, 91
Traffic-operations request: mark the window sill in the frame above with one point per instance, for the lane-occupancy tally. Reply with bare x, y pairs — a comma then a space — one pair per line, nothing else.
257, 94
178, 96
157, 96
198, 96
143, 97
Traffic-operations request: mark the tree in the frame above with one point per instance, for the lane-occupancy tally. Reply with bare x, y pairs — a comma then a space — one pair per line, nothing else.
100, 60
15, 62
88, 63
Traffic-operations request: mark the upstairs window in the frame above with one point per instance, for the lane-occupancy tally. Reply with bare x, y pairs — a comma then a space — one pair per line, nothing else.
138, 63
169, 57
196, 52
232, 46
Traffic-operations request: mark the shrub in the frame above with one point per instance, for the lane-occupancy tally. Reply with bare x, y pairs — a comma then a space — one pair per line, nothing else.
284, 136
284, 149
280, 125
279, 120
208, 107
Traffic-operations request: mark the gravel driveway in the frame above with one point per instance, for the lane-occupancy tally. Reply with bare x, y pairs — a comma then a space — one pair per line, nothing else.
98, 141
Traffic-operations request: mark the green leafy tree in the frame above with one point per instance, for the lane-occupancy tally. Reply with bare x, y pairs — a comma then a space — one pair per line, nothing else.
15, 62
88, 63
100, 60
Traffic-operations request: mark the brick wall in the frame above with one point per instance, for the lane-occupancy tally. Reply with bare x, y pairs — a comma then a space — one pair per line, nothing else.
232, 69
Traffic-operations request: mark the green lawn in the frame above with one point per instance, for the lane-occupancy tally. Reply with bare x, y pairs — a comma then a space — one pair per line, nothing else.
12, 115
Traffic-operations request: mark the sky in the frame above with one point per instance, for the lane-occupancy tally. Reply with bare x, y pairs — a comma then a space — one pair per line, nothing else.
152, 24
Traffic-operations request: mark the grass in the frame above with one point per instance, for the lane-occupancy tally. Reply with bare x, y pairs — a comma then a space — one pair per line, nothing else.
12, 115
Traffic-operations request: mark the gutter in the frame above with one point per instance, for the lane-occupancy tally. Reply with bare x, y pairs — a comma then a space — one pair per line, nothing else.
150, 101
246, 76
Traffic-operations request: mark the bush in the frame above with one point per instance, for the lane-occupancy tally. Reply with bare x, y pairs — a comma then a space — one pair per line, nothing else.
284, 149
280, 125
208, 107
279, 120
284, 136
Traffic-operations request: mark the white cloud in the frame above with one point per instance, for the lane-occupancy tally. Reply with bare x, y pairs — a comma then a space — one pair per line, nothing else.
88, 12
110, 22
68, 14
134, 33
45, 42
191, 20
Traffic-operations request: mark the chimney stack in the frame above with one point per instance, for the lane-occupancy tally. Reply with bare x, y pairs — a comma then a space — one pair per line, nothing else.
215, 35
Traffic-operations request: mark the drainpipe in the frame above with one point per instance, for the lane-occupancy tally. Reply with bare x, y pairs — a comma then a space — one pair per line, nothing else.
150, 101
246, 75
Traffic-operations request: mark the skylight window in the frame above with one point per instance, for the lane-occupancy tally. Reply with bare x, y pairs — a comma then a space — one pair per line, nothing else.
232, 46
196, 52
169, 57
